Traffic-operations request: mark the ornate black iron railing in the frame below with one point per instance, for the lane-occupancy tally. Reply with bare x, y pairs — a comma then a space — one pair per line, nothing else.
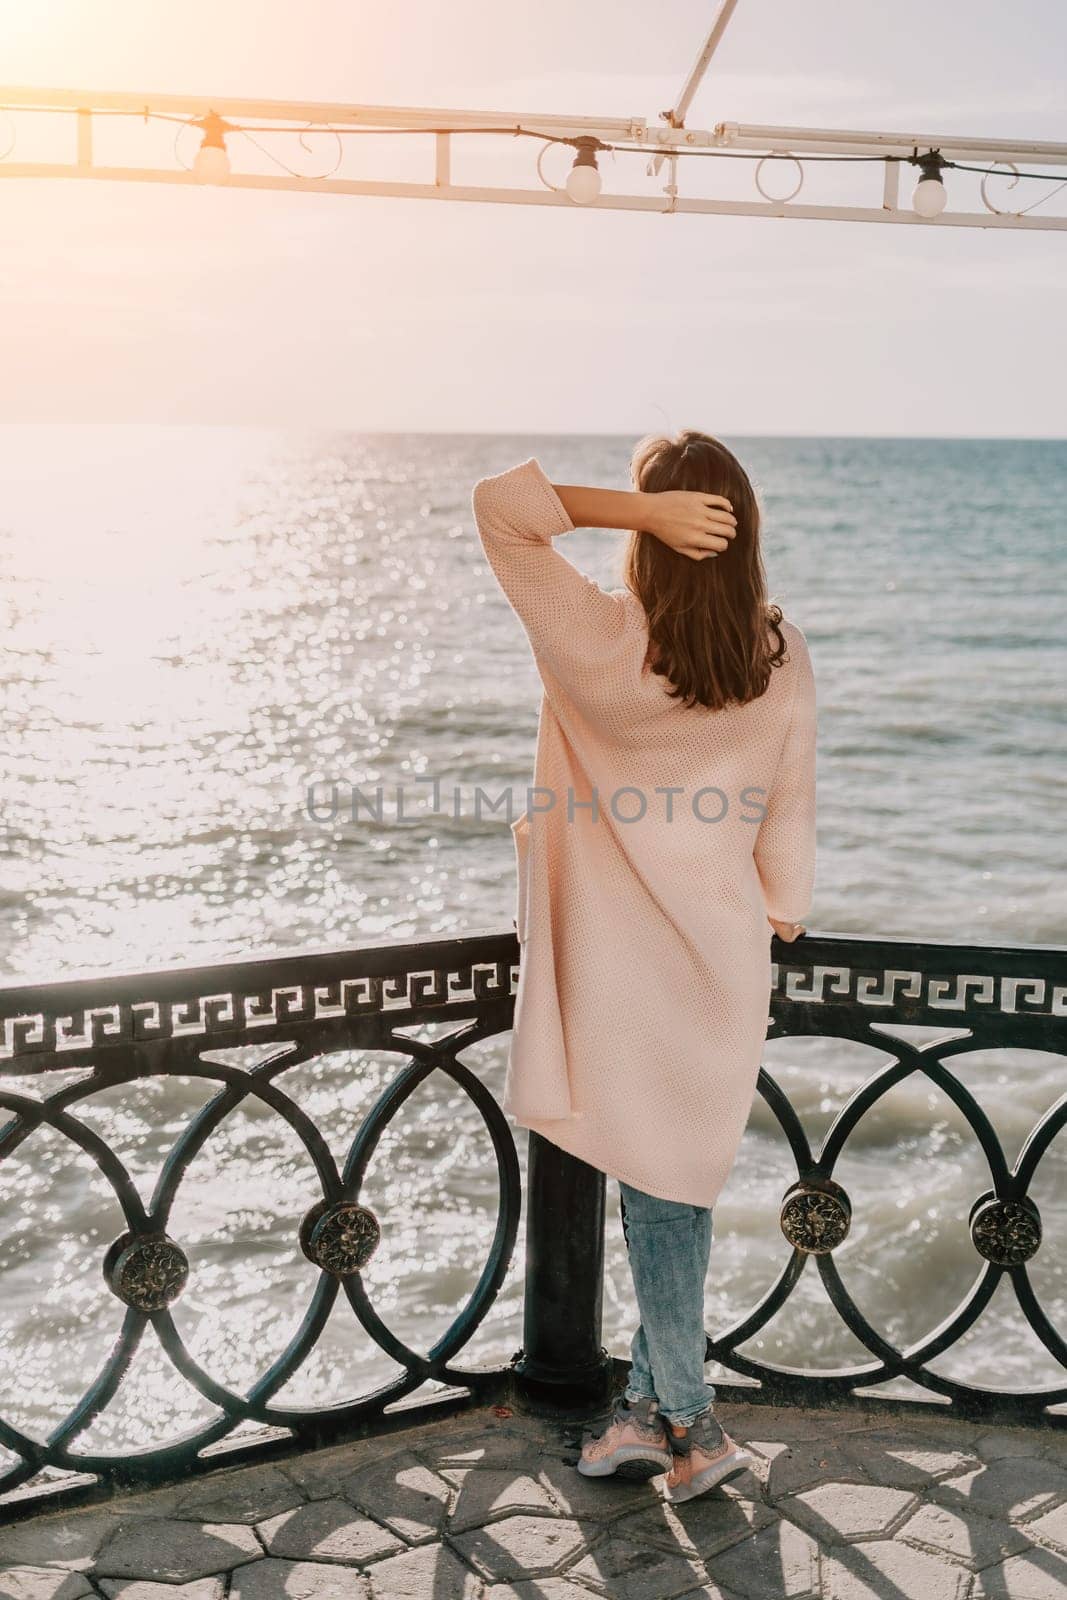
983, 996
117, 1029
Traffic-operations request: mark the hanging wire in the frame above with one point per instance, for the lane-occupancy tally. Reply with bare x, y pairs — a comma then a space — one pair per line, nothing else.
994, 172
177, 141
278, 162
518, 131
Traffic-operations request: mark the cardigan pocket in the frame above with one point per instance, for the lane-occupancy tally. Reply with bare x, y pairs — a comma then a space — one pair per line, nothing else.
520, 833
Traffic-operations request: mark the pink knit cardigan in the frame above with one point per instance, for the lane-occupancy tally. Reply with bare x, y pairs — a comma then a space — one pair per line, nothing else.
655, 840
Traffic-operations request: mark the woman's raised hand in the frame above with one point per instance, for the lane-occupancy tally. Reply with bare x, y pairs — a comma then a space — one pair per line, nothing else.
694, 524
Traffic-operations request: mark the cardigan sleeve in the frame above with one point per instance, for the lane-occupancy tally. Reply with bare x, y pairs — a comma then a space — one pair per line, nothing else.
565, 613
785, 843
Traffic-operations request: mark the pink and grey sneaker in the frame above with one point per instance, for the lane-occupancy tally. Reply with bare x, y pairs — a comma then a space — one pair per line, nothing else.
704, 1457
634, 1439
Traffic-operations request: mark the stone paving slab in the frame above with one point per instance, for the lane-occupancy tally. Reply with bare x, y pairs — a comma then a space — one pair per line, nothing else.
488, 1505
42, 1583
169, 1551
410, 1498
295, 1580
143, 1589
881, 1569
974, 1541
844, 1513
1033, 1576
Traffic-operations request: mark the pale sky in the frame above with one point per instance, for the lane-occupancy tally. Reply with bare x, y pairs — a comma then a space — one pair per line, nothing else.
133, 302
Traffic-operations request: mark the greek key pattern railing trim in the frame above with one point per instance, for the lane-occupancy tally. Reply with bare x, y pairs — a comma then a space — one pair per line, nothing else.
47, 1025
924, 996
290, 996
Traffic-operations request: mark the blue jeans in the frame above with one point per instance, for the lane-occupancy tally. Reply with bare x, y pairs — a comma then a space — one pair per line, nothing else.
669, 1245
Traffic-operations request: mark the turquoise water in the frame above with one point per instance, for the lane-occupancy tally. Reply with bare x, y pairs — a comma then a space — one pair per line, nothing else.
199, 624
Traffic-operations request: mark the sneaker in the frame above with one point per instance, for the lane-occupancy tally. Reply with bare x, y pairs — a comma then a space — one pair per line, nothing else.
634, 1434
704, 1457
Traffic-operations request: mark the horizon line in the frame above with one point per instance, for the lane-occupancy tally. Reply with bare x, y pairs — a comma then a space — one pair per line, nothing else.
532, 432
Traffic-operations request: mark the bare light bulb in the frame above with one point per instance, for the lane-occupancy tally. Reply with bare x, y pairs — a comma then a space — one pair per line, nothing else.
584, 181
930, 197
211, 163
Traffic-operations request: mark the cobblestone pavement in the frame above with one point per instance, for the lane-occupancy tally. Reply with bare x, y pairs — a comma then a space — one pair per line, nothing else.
490, 1507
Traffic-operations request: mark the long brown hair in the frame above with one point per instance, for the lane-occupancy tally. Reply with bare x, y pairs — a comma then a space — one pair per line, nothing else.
708, 619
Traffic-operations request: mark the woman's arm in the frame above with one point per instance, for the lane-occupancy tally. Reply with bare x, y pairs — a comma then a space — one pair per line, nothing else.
785, 845
519, 517
569, 620
695, 524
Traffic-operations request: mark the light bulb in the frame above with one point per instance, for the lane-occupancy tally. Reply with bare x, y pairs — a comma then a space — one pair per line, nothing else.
583, 185
931, 196
211, 164
583, 181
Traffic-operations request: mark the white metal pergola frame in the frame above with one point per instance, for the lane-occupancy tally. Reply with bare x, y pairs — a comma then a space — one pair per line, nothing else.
666, 144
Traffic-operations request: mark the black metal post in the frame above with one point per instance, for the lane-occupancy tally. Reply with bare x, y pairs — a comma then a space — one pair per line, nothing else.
563, 1364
